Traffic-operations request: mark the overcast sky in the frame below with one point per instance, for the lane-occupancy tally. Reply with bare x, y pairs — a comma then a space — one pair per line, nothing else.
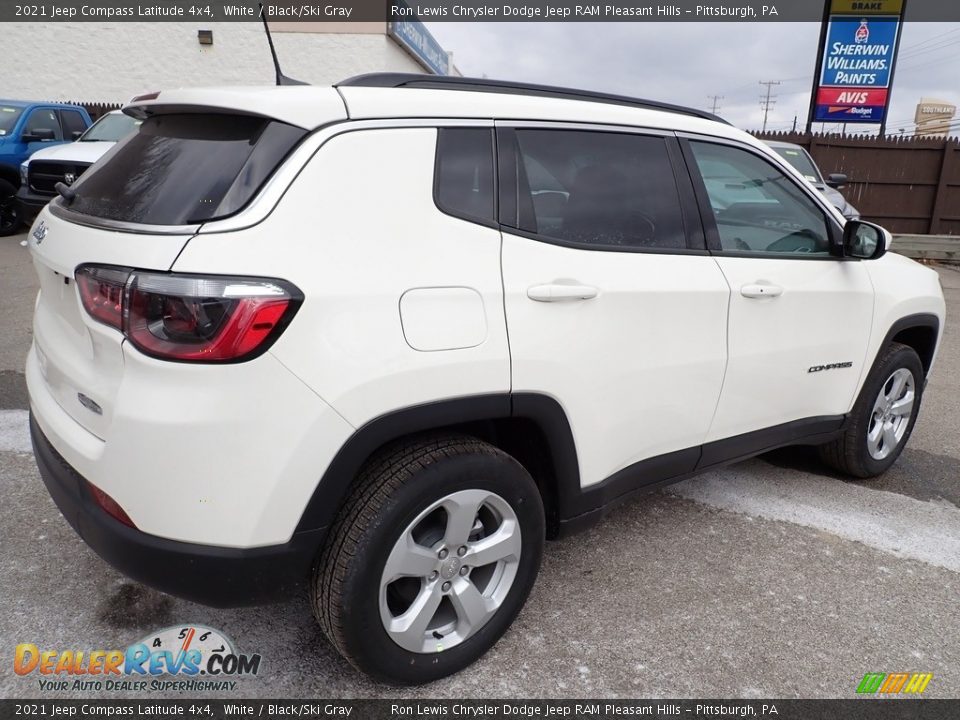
686, 62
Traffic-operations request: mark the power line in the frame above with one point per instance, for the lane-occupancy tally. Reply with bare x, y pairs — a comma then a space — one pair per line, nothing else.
767, 102
715, 107
909, 49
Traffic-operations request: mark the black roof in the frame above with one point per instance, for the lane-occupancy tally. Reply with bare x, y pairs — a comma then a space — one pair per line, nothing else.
448, 82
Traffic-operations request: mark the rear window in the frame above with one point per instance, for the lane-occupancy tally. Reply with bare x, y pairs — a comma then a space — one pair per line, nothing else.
185, 169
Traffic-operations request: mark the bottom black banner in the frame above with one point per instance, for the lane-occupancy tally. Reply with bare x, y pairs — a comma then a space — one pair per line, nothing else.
865, 709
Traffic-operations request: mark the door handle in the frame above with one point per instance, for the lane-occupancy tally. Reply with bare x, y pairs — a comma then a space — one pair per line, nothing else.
761, 290
556, 292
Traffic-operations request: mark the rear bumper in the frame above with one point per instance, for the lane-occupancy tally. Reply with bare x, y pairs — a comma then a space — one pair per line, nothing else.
221, 577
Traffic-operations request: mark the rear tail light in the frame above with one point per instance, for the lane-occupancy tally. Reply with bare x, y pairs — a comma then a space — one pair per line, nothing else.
192, 318
101, 290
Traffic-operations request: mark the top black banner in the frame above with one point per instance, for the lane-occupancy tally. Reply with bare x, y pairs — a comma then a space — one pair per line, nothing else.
452, 11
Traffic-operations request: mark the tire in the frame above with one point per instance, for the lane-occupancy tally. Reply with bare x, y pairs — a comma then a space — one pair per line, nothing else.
402, 516
856, 454
10, 220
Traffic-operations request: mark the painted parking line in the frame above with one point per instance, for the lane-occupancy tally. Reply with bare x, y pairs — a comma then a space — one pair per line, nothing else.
14, 431
928, 531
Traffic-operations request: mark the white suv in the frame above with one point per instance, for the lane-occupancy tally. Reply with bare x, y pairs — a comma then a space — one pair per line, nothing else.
384, 339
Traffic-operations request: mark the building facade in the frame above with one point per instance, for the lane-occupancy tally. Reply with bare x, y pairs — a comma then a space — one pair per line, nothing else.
110, 62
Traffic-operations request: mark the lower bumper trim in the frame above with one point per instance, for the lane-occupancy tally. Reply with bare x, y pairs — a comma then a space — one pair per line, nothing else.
215, 576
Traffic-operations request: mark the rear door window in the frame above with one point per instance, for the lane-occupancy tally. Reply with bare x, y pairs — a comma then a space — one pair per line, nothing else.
73, 124
614, 191
182, 169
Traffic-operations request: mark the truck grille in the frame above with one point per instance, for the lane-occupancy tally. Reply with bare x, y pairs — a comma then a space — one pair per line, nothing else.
43, 175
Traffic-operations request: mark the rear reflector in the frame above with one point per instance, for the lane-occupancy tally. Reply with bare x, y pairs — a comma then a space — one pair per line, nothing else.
191, 318
109, 505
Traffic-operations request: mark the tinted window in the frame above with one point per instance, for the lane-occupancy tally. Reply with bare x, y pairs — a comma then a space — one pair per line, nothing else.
111, 128
597, 188
182, 169
757, 207
464, 177
43, 120
8, 118
73, 122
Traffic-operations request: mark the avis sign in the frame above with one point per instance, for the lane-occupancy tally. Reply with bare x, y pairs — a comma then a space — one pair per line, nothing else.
859, 52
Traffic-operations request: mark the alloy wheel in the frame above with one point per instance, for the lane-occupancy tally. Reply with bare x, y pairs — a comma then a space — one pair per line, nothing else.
450, 571
891, 414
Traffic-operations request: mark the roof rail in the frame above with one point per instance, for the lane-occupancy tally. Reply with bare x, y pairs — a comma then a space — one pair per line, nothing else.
448, 82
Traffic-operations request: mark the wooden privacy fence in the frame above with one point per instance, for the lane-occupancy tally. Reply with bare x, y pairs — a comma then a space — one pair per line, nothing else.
94, 109
908, 185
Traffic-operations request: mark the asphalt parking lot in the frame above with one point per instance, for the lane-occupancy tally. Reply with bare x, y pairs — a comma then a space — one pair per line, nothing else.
771, 578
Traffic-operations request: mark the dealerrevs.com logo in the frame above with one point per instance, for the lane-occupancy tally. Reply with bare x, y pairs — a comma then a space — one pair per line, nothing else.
186, 658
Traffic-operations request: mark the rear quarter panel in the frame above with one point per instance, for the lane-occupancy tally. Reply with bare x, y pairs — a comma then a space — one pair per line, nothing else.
356, 231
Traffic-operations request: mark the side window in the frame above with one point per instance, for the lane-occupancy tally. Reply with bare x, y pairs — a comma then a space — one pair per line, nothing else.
599, 189
463, 182
43, 120
758, 208
73, 124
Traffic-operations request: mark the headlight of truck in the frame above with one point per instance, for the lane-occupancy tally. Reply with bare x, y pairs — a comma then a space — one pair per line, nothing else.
23, 173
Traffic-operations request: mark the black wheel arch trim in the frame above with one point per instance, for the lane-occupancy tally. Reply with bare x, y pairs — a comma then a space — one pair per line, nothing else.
574, 507
910, 322
448, 414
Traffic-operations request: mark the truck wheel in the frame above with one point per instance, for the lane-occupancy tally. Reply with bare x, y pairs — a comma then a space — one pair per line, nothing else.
432, 557
9, 212
883, 416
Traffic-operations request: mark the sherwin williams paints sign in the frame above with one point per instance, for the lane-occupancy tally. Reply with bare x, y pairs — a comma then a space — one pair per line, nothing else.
860, 48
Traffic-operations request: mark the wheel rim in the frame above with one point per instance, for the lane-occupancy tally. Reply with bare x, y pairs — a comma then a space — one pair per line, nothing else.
9, 217
450, 571
891, 414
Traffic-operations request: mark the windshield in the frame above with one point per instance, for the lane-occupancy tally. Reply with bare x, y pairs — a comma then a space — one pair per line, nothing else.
110, 128
8, 118
801, 161
182, 169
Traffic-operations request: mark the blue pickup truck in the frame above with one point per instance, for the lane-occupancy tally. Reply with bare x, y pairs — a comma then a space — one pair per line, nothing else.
25, 127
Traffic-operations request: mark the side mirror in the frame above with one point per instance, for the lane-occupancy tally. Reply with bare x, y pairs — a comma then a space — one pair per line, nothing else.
75, 135
865, 240
38, 135
836, 180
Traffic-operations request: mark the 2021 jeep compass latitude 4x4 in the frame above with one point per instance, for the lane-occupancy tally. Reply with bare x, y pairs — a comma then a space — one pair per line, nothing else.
384, 339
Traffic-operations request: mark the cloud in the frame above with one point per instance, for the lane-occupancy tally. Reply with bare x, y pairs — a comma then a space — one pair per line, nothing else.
685, 62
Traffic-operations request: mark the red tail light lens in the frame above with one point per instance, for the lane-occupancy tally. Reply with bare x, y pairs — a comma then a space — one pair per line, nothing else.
109, 505
203, 318
101, 290
192, 318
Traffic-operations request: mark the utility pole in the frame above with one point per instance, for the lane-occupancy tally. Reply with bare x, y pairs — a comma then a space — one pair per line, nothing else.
766, 102
716, 103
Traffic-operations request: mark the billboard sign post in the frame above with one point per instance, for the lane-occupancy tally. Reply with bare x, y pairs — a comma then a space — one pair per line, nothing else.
855, 61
